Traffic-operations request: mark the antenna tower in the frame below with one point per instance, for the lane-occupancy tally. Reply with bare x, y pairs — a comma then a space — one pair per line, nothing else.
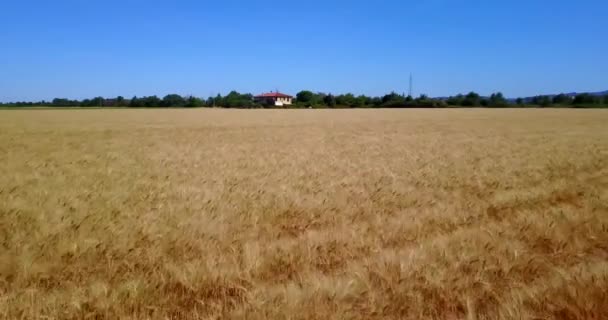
411, 85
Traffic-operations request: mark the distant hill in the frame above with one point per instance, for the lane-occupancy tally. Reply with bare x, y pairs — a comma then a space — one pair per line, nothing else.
569, 94
600, 93
574, 94
528, 99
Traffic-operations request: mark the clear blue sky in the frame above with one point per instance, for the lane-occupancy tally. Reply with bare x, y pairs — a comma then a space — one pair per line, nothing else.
79, 48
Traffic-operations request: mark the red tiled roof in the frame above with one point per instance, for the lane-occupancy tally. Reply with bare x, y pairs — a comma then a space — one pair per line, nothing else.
273, 95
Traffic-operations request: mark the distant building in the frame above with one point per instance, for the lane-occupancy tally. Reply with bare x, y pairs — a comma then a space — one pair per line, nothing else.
274, 99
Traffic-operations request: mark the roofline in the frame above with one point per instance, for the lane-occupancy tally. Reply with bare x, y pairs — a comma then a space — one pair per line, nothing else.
273, 95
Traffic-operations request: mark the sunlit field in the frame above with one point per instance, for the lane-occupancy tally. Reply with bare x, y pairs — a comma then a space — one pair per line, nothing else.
304, 214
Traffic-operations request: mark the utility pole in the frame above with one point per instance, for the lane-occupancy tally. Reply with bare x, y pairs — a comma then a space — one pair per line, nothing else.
411, 85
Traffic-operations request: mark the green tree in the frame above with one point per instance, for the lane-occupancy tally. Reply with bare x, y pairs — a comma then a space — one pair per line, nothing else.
247, 100
330, 101
535, 100
61, 102
237, 100
305, 97
194, 102
120, 101
361, 101
173, 100
455, 100
217, 101
543, 101
425, 102
346, 100
498, 100
519, 101
472, 99
376, 102
96, 102
393, 100
136, 103
152, 102
584, 98
562, 99
210, 102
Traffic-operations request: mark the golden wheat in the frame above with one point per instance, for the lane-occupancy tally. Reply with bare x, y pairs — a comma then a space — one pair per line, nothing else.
304, 214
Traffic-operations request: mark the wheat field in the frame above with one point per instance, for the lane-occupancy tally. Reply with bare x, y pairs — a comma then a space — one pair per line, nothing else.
304, 214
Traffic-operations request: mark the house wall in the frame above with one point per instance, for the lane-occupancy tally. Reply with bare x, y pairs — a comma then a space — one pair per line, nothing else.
279, 102
264, 100
284, 101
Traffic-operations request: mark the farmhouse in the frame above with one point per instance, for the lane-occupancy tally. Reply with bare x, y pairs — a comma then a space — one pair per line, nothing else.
274, 99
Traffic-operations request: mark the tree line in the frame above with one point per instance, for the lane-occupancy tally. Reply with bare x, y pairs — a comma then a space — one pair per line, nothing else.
310, 99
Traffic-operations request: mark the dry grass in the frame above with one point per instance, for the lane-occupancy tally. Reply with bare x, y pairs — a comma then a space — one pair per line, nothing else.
310, 214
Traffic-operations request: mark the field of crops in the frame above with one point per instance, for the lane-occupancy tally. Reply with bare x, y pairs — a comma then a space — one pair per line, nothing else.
304, 214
